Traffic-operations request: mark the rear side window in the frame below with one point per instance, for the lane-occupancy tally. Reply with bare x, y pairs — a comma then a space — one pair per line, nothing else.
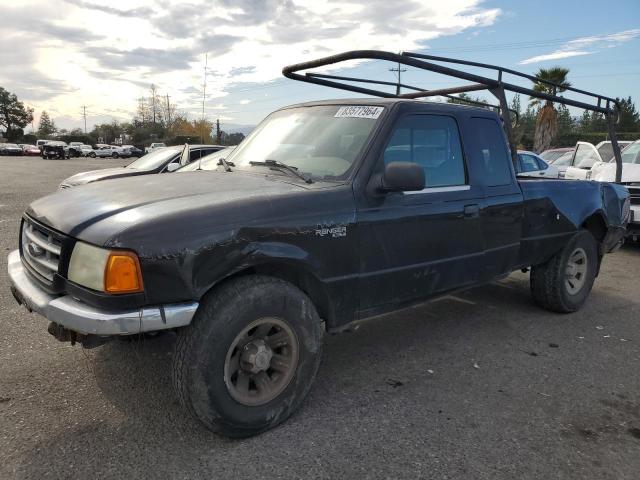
491, 149
433, 142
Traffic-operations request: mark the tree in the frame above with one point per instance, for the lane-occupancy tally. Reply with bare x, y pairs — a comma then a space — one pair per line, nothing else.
232, 138
629, 119
14, 116
547, 118
46, 128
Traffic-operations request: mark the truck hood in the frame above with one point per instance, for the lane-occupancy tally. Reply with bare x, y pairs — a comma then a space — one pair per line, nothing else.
104, 174
98, 211
607, 173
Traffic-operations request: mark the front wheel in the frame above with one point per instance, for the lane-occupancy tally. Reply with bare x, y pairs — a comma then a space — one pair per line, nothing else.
249, 357
92, 155
563, 283
115, 155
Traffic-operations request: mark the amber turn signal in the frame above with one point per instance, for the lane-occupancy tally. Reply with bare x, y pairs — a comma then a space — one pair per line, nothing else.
122, 273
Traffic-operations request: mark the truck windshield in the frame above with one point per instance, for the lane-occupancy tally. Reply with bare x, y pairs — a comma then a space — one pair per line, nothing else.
155, 159
322, 141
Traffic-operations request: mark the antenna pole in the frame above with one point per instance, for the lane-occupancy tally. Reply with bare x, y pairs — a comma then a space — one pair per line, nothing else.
204, 92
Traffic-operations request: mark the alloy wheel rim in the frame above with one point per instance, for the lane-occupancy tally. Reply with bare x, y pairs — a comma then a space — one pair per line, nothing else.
261, 361
576, 271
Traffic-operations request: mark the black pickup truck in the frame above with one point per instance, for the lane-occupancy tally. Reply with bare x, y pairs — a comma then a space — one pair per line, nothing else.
327, 214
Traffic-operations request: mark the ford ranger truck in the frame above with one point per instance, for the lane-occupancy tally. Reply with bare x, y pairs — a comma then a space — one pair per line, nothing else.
327, 214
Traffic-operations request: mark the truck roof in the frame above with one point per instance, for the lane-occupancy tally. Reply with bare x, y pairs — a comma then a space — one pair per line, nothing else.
388, 102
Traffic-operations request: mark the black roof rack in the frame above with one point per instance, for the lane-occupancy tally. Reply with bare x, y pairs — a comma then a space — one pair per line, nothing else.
497, 86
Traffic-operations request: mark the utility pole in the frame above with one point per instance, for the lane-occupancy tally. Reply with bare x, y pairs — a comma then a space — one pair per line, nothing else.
218, 135
154, 98
399, 71
204, 93
168, 113
84, 114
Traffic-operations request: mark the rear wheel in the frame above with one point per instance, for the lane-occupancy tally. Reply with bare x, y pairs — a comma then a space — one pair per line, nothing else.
249, 357
564, 282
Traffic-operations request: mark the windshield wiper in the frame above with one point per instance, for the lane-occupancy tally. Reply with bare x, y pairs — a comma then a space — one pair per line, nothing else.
276, 165
227, 165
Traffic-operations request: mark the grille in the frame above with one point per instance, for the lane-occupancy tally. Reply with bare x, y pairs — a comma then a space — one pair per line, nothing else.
40, 250
635, 195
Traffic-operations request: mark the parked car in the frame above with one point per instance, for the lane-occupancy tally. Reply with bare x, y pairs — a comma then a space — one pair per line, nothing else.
55, 149
531, 165
160, 161
563, 162
41, 143
110, 151
208, 162
333, 212
553, 154
30, 150
75, 150
87, 151
154, 146
586, 156
133, 151
10, 149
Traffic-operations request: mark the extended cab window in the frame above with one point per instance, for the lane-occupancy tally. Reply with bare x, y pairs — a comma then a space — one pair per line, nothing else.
433, 142
491, 149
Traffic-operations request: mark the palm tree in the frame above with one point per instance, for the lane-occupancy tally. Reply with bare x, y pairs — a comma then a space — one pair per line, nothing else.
547, 119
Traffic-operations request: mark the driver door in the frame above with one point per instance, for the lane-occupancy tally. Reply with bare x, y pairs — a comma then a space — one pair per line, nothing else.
416, 244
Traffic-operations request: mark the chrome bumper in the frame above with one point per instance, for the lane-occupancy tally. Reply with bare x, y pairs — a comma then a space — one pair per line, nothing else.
82, 318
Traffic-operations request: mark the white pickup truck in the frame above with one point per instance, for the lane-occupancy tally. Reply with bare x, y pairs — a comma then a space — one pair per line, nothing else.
606, 172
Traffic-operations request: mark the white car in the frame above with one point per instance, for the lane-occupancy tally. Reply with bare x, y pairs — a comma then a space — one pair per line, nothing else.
531, 165
587, 156
154, 146
113, 151
87, 151
562, 163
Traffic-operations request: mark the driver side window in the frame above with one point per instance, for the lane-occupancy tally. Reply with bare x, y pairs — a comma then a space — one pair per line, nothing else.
433, 142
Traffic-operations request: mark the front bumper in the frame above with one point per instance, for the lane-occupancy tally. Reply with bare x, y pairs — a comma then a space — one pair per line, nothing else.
87, 320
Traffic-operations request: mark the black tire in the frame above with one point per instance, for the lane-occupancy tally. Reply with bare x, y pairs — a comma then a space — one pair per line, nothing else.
92, 155
550, 286
202, 349
115, 155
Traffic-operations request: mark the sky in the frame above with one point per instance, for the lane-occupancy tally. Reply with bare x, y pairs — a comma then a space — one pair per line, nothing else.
61, 55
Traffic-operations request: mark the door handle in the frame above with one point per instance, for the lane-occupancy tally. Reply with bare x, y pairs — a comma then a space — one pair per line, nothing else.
471, 211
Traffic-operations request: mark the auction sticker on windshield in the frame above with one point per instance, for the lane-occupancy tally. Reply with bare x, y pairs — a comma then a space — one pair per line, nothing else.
359, 111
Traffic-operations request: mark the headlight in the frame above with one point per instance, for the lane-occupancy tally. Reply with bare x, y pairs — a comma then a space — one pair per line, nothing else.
110, 271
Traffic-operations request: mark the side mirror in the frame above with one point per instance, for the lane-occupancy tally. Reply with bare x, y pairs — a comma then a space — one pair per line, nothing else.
172, 167
402, 177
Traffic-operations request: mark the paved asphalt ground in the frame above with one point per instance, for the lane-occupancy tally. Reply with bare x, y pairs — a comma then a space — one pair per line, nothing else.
483, 385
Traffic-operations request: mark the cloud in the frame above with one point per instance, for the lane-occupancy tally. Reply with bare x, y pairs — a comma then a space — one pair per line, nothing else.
577, 46
134, 12
106, 53
555, 56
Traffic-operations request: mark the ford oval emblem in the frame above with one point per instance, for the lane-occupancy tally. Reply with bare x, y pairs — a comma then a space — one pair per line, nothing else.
34, 249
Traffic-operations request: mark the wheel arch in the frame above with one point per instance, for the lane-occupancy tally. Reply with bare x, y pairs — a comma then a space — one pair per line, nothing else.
596, 225
294, 272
